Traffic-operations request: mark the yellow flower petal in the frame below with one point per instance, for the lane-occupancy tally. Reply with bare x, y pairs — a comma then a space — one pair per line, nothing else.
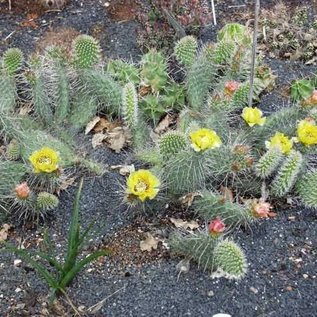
253, 116
307, 132
281, 141
44, 160
143, 184
204, 139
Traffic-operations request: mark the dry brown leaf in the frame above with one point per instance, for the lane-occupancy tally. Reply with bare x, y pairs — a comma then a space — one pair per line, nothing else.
124, 169
66, 183
179, 223
189, 198
92, 124
149, 244
117, 139
227, 193
4, 232
164, 124
30, 21
105, 124
98, 139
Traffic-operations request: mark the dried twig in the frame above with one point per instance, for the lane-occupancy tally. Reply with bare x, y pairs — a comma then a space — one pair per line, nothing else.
254, 45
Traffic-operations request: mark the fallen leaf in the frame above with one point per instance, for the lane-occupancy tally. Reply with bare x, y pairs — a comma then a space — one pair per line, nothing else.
66, 183
117, 139
98, 139
149, 244
189, 198
124, 169
91, 124
105, 124
227, 193
4, 232
179, 223
272, 214
30, 21
164, 124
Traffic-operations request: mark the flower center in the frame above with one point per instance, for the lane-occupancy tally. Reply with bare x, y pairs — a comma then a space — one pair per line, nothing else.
45, 160
141, 186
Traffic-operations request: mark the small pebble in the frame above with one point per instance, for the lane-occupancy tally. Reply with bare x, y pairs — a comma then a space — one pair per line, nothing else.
17, 262
221, 315
18, 290
305, 275
254, 290
210, 294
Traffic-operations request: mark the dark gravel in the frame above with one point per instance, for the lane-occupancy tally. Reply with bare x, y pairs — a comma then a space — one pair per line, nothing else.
281, 251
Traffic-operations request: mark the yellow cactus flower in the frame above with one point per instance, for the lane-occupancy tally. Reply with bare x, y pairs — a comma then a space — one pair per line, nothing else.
281, 141
143, 184
204, 139
307, 132
44, 160
253, 116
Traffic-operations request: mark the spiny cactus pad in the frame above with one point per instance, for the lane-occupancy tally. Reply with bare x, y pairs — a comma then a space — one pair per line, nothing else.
12, 60
212, 205
13, 150
268, 163
306, 188
130, 105
46, 201
86, 51
171, 143
287, 174
230, 259
185, 50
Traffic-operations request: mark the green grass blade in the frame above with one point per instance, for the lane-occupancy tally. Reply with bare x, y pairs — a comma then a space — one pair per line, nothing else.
79, 266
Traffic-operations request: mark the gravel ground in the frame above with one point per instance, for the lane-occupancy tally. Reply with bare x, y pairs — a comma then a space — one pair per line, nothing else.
281, 251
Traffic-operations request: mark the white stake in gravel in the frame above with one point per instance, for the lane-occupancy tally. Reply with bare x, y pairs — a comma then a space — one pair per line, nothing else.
213, 12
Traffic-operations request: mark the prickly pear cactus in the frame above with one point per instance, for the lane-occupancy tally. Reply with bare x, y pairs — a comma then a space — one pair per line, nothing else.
172, 143
185, 50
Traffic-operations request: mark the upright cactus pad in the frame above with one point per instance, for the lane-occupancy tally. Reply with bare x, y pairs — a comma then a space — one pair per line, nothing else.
86, 51
46, 201
185, 50
306, 188
171, 143
230, 259
269, 162
12, 60
287, 174
199, 78
130, 105
154, 70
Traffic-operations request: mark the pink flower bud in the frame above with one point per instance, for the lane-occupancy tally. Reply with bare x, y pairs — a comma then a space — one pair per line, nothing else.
262, 209
22, 191
231, 86
216, 227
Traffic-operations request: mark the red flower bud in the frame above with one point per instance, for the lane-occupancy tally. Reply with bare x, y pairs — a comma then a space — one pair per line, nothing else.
231, 86
216, 227
22, 191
